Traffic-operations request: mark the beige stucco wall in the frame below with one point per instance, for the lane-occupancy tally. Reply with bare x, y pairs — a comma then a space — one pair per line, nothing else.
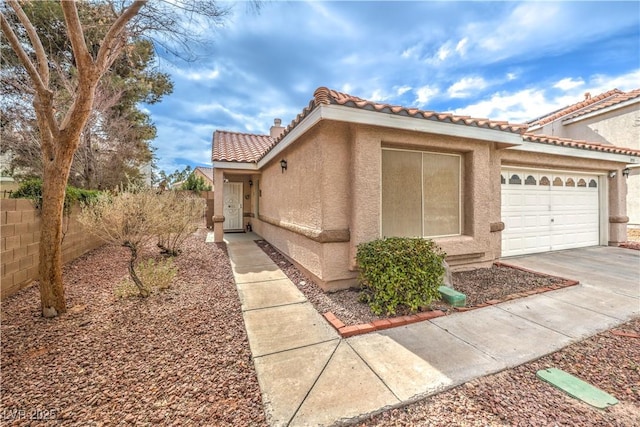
310, 198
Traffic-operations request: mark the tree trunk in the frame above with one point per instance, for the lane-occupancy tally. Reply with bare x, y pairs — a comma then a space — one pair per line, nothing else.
144, 292
54, 185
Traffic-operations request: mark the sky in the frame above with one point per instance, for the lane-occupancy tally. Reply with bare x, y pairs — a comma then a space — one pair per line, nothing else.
500, 60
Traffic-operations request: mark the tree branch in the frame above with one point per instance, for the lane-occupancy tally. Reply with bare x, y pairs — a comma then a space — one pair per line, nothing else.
109, 48
41, 56
44, 95
84, 61
22, 55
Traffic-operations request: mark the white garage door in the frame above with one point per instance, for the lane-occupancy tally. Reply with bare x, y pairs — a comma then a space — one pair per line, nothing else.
546, 211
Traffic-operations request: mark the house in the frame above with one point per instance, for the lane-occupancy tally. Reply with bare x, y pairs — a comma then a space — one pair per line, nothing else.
347, 170
610, 118
206, 174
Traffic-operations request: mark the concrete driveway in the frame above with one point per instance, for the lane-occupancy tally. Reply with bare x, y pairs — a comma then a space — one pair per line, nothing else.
605, 267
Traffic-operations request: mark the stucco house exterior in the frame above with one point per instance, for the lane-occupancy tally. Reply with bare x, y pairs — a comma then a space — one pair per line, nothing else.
610, 118
348, 170
206, 174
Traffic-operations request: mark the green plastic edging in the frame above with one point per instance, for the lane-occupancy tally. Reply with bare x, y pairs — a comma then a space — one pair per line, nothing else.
577, 388
453, 297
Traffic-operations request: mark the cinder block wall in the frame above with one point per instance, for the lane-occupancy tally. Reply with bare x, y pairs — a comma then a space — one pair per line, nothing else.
20, 236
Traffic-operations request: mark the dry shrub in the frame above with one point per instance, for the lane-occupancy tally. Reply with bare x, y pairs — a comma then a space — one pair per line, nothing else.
130, 218
181, 215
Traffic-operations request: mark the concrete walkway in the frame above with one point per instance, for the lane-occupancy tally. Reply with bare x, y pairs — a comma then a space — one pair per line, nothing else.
309, 376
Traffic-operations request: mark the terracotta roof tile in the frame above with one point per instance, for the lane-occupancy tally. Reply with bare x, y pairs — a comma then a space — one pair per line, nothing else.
586, 106
617, 99
239, 147
585, 145
329, 96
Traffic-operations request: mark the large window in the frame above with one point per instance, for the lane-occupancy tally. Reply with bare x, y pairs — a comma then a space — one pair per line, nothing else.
420, 194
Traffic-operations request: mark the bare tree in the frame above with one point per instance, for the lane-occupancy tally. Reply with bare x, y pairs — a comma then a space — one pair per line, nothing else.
60, 130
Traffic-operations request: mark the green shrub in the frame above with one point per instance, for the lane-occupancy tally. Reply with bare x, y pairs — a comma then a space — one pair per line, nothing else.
400, 272
196, 184
32, 189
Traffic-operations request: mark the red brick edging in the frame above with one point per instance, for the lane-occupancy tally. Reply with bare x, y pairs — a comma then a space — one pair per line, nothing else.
378, 325
392, 322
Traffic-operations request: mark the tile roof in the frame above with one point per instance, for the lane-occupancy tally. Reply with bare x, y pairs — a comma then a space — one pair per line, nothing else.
324, 95
243, 147
208, 172
586, 106
239, 147
585, 145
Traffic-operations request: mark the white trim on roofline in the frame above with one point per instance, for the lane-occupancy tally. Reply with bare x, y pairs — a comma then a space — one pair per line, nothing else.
235, 165
601, 111
360, 116
376, 118
537, 147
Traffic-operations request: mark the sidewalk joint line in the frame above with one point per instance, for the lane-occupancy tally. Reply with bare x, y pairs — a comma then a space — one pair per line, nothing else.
374, 371
295, 348
468, 343
534, 322
261, 281
314, 383
275, 306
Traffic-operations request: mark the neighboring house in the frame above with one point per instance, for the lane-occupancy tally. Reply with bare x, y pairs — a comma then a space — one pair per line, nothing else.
206, 174
611, 118
348, 171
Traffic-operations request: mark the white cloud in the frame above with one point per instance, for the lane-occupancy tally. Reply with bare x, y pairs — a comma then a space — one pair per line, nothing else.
511, 76
402, 90
443, 52
199, 74
461, 47
410, 52
425, 94
568, 83
517, 107
601, 83
466, 87
527, 104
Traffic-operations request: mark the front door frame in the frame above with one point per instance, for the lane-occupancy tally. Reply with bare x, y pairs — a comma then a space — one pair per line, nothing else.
232, 223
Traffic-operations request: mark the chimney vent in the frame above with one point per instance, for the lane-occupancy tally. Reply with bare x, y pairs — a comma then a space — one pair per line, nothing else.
587, 96
277, 129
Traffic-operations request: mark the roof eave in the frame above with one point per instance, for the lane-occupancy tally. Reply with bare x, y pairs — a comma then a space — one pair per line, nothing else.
585, 153
600, 111
221, 164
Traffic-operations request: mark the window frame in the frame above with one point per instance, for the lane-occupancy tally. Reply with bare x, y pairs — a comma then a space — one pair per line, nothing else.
460, 191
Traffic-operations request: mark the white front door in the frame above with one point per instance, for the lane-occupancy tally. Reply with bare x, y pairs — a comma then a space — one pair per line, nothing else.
232, 206
548, 211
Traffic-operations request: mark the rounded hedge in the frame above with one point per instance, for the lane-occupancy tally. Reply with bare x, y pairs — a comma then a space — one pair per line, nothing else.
400, 271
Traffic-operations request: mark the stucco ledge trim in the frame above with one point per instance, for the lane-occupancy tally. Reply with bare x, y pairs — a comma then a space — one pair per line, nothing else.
320, 236
618, 219
218, 218
496, 226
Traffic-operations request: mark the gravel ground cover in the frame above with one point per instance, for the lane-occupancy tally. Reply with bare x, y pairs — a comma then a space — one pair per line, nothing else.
180, 357
633, 234
479, 285
516, 397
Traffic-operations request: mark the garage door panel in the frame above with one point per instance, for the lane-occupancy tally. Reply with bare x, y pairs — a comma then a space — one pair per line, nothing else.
541, 216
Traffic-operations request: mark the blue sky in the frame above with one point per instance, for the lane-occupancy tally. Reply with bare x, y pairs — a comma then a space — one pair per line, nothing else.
502, 60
